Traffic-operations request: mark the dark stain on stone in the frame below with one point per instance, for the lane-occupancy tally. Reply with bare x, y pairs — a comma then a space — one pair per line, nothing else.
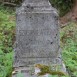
31, 7
26, 43
56, 34
30, 17
19, 20
25, 71
56, 17
42, 17
51, 42
55, 37
28, 6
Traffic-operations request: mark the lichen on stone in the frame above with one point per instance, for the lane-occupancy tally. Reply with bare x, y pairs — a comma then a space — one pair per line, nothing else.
45, 69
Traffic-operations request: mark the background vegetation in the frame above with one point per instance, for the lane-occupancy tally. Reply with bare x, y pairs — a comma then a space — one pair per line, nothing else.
7, 33
69, 46
63, 6
7, 37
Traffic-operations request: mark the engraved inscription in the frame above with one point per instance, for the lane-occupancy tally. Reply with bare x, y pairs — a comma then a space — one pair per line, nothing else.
37, 43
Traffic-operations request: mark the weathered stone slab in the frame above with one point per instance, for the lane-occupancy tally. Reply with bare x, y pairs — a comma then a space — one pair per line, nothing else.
37, 35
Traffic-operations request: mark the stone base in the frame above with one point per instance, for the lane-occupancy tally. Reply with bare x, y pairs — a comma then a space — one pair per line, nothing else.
23, 72
30, 71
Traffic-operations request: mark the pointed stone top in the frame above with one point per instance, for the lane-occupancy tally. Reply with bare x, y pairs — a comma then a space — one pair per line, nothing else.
37, 2
36, 6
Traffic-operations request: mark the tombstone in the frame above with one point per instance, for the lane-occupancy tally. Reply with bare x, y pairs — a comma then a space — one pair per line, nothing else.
37, 37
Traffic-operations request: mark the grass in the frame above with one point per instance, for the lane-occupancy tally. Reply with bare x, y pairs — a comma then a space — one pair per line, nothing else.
7, 36
69, 46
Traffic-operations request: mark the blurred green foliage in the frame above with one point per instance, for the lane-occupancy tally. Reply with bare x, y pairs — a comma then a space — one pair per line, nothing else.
63, 6
7, 30
69, 46
12, 1
7, 36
